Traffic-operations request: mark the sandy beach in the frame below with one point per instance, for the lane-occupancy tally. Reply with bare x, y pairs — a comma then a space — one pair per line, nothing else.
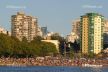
50, 61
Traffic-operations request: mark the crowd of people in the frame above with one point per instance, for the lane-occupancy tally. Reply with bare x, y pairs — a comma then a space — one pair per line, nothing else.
50, 61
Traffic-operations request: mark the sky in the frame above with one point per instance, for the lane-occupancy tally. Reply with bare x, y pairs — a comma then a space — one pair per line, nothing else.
57, 15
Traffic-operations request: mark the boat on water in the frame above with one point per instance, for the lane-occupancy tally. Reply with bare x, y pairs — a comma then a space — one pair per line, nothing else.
91, 65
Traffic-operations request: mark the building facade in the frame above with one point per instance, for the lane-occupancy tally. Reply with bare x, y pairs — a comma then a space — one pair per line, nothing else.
2, 30
39, 31
55, 42
44, 31
71, 37
106, 32
76, 27
23, 26
91, 33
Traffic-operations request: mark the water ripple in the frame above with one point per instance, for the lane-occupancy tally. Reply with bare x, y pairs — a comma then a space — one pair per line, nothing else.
51, 69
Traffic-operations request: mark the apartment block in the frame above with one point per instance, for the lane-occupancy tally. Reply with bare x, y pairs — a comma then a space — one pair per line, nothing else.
91, 40
76, 27
23, 26
105, 29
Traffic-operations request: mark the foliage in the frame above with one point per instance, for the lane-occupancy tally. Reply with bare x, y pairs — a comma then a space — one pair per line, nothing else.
71, 53
56, 36
12, 47
91, 55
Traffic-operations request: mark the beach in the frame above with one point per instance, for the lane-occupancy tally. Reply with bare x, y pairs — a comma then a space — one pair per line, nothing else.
50, 61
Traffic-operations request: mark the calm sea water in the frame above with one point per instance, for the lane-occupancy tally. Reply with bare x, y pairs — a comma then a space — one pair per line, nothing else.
51, 69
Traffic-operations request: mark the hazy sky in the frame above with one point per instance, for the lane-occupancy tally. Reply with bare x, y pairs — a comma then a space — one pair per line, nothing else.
57, 15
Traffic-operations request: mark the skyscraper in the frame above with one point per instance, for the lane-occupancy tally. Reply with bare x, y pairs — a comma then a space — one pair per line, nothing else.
23, 26
44, 31
39, 31
106, 32
76, 27
91, 33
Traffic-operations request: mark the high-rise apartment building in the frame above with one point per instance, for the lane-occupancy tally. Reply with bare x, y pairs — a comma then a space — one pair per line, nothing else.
23, 26
76, 27
91, 33
105, 32
44, 31
39, 31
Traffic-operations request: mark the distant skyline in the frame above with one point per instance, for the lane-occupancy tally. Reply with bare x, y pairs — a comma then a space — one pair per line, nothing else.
57, 15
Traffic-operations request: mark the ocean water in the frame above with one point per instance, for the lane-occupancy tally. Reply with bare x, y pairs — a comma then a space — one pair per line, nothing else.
51, 69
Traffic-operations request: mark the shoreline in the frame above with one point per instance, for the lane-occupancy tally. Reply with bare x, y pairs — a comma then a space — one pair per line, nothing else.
96, 66
52, 61
83, 65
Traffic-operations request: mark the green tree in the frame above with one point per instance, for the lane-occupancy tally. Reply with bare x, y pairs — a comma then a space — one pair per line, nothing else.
91, 55
6, 45
71, 52
37, 39
12, 47
56, 36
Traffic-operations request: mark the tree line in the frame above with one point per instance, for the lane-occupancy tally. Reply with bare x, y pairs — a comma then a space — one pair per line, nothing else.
11, 47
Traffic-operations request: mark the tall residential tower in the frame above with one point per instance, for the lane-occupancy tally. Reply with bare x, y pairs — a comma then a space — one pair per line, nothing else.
23, 26
105, 32
76, 27
91, 33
